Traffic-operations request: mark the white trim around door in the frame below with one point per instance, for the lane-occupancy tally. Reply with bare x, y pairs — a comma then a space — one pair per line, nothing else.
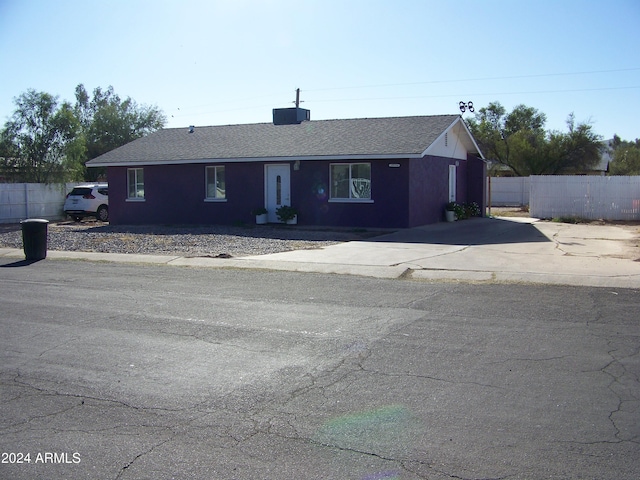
277, 188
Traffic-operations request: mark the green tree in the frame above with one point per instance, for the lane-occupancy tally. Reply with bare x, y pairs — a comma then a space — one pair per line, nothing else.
626, 157
513, 139
573, 152
518, 141
109, 122
41, 141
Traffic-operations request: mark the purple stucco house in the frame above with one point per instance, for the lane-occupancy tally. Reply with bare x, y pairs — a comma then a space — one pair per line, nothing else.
368, 172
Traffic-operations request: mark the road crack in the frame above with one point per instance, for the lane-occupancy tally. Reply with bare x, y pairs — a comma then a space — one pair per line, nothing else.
620, 385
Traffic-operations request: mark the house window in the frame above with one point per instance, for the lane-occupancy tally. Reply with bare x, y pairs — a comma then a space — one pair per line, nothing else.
351, 181
279, 190
453, 172
216, 183
135, 183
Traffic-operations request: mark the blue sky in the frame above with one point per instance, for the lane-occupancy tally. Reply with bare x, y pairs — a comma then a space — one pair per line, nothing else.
231, 61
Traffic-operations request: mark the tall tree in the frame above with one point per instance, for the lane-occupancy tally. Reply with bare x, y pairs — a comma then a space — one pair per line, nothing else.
518, 141
109, 122
513, 139
41, 142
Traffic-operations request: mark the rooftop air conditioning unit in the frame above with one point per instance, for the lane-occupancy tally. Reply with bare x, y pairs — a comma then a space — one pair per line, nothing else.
290, 116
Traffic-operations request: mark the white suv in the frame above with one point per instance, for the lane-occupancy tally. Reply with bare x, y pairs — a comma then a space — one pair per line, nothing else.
89, 200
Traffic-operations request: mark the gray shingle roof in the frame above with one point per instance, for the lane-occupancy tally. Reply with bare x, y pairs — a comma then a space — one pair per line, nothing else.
409, 136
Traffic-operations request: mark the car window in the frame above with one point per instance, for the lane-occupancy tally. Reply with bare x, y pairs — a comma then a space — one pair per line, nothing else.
104, 191
80, 191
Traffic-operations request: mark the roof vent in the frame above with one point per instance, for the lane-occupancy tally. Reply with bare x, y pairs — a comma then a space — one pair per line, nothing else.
192, 128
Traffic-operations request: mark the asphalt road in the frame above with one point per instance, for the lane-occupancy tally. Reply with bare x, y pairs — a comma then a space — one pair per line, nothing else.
117, 371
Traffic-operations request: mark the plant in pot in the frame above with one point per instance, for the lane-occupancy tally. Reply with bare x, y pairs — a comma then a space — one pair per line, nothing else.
450, 211
287, 214
261, 215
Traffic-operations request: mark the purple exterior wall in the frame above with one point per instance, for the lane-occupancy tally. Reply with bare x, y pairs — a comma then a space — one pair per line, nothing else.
477, 182
310, 195
174, 194
407, 193
429, 186
429, 189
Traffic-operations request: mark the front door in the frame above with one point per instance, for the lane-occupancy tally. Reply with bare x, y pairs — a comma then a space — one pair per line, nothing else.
278, 189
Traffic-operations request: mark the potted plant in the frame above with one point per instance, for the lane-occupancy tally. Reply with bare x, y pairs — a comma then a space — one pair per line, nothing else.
287, 214
261, 215
450, 211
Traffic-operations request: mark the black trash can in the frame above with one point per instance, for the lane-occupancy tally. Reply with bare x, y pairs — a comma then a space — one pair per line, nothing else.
34, 238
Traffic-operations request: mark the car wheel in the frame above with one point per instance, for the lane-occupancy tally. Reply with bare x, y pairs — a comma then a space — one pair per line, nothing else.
103, 213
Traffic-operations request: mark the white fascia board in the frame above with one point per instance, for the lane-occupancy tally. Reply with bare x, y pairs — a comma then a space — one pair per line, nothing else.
341, 158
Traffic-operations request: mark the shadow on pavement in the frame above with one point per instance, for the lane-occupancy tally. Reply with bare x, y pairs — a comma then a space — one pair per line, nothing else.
21, 263
474, 231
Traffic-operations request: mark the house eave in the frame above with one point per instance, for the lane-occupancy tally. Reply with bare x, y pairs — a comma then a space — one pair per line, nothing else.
304, 158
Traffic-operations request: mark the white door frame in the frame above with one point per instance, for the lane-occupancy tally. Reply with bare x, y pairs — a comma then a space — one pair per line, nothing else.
274, 198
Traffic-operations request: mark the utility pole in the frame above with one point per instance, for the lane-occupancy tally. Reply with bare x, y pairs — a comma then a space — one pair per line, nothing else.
297, 98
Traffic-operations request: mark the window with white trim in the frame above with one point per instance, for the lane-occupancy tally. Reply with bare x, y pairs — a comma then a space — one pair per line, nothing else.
453, 173
135, 183
350, 181
216, 183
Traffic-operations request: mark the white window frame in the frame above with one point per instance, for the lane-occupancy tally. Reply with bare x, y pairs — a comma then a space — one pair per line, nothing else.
215, 169
453, 182
351, 198
137, 184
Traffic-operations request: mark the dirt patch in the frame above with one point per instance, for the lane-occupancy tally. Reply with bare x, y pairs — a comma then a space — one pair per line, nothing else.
630, 248
510, 211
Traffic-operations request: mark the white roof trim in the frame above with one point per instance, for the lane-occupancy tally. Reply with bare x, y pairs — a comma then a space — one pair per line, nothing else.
398, 156
473, 140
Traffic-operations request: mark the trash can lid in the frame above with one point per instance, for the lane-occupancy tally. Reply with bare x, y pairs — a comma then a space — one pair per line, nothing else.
35, 220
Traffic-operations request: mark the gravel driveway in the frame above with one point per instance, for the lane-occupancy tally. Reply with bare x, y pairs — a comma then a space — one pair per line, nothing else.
193, 241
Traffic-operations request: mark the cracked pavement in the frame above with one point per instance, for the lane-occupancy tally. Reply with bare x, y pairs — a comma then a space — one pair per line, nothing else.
160, 372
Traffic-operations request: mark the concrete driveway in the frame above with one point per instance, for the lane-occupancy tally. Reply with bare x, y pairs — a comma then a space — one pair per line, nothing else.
485, 249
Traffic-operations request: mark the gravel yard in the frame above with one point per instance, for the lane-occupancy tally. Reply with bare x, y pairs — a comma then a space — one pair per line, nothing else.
190, 241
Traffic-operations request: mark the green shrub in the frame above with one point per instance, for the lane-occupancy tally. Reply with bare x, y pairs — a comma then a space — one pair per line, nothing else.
569, 220
472, 209
286, 213
461, 213
464, 210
